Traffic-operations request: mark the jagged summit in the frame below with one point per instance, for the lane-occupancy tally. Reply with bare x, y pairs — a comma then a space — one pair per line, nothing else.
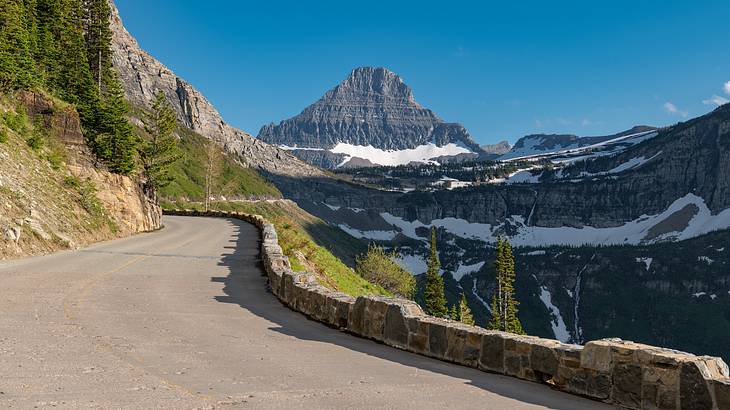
372, 84
373, 107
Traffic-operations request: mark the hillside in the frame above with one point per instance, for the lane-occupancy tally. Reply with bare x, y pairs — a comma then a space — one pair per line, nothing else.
52, 193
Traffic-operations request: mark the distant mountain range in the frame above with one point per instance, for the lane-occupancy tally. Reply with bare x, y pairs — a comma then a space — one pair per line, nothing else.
371, 118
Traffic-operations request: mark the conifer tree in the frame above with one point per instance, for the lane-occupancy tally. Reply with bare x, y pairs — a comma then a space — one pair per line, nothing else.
434, 291
453, 313
160, 151
98, 42
504, 305
116, 142
16, 60
465, 315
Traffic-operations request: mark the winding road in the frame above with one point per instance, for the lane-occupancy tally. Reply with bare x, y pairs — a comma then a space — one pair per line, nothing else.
181, 319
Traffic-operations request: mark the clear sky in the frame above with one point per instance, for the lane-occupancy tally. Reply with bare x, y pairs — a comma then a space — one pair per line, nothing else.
503, 69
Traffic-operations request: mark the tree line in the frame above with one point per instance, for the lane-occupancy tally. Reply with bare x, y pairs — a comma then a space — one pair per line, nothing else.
64, 47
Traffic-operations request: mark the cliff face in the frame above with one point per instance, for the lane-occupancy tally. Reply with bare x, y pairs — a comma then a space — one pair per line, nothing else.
372, 107
143, 76
690, 159
56, 197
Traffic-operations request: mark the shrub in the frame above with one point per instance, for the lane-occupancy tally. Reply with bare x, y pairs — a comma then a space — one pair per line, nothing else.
3, 136
379, 267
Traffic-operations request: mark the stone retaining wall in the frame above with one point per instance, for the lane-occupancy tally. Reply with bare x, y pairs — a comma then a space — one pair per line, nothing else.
626, 374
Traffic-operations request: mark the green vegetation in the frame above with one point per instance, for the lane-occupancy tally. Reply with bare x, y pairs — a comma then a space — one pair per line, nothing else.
86, 195
435, 300
233, 181
64, 46
160, 152
3, 136
310, 244
504, 304
378, 266
465, 315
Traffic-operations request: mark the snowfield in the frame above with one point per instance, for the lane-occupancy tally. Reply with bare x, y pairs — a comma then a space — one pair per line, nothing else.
423, 153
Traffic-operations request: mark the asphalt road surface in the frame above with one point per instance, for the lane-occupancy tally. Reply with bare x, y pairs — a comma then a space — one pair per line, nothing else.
181, 319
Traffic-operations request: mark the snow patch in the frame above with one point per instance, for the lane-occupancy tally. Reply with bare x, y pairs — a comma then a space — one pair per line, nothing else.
466, 269
536, 253
705, 259
556, 319
422, 153
412, 263
699, 294
295, 148
479, 298
645, 261
373, 235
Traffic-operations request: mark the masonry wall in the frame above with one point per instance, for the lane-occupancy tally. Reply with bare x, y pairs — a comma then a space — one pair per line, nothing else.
626, 374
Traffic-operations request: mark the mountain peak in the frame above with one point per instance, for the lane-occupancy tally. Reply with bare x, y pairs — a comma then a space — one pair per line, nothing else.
373, 83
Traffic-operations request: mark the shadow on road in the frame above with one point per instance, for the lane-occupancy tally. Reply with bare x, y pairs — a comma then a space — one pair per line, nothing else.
246, 286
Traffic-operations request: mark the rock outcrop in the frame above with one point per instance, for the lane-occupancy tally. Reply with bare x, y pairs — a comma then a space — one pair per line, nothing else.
143, 77
372, 107
63, 198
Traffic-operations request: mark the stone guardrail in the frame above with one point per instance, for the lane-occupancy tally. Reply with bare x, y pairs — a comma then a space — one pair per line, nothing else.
623, 373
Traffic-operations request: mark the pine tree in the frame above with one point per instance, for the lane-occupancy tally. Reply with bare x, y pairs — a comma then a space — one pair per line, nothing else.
115, 144
465, 315
160, 151
434, 292
98, 42
504, 305
16, 60
453, 313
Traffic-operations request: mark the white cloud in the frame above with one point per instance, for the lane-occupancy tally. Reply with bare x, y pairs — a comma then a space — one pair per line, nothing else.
586, 122
672, 109
563, 121
727, 87
716, 100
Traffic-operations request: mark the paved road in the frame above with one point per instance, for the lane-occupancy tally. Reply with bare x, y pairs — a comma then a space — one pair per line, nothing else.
180, 319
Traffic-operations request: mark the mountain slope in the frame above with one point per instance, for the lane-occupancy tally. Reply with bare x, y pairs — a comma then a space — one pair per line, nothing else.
537, 145
371, 117
143, 76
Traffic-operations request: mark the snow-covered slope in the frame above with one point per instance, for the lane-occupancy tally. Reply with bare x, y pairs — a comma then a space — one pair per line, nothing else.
686, 218
535, 146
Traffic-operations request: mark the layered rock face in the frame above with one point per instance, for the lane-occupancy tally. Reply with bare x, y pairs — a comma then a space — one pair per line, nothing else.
692, 158
143, 77
372, 107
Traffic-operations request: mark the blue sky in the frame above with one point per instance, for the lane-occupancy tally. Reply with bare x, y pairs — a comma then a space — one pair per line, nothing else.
503, 70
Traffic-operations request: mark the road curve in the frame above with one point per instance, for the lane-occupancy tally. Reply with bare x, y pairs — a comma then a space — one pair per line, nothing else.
180, 319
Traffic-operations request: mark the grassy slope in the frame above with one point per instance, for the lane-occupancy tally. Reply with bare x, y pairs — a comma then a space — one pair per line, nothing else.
318, 242
36, 184
232, 180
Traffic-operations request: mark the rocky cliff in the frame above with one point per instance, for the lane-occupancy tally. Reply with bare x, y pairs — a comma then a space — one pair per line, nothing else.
143, 76
371, 107
56, 196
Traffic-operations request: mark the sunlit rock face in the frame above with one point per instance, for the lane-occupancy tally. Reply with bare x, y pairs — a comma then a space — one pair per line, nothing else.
370, 113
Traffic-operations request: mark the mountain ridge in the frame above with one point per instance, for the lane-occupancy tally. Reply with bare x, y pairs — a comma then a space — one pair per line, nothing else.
142, 76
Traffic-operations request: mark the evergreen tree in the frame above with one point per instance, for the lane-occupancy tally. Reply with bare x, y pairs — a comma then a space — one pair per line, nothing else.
98, 42
115, 144
465, 315
434, 293
504, 304
16, 60
160, 151
453, 313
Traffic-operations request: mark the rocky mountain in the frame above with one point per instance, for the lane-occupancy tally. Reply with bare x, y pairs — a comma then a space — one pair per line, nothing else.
371, 117
499, 148
649, 220
143, 76
548, 144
